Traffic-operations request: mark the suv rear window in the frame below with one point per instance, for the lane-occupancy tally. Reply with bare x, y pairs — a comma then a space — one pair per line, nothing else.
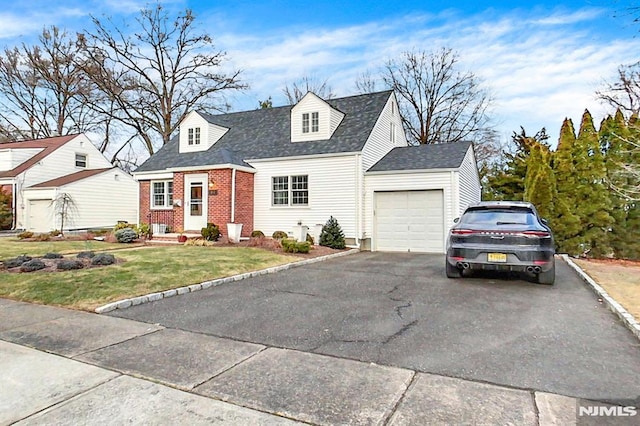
499, 217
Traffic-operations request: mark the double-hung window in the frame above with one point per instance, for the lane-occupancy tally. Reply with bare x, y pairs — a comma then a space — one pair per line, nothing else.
81, 160
290, 190
315, 122
193, 136
162, 194
305, 122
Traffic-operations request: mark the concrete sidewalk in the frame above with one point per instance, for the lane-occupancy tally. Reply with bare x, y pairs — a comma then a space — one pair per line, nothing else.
59, 366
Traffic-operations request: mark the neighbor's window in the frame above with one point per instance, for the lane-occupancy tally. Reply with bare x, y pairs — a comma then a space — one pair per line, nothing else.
315, 122
162, 194
305, 122
81, 160
290, 190
193, 136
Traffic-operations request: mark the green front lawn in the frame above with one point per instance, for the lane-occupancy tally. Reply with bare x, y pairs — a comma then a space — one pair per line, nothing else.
144, 271
12, 247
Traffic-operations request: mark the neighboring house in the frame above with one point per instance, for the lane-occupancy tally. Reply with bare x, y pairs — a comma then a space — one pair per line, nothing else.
270, 169
38, 172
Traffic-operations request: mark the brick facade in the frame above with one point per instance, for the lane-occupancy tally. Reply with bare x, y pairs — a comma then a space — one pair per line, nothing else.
218, 205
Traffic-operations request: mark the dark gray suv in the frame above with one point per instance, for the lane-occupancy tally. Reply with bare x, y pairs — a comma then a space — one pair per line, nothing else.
501, 236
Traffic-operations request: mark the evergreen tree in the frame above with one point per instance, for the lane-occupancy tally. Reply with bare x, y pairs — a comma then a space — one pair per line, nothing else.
6, 216
593, 204
566, 223
539, 182
332, 235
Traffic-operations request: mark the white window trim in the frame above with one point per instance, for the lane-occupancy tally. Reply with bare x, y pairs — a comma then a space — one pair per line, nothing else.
290, 191
165, 193
306, 123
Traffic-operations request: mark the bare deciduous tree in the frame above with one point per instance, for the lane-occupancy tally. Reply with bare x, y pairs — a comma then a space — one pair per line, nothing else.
158, 74
298, 89
624, 92
365, 83
44, 89
438, 103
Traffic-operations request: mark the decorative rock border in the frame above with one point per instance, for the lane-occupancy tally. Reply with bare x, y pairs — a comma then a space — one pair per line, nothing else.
126, 303
628, 319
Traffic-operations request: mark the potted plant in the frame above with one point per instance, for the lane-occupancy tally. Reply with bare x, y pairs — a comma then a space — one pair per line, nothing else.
181, 237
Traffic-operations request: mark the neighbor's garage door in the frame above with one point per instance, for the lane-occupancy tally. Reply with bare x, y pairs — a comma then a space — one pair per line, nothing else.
409, 221
40, 216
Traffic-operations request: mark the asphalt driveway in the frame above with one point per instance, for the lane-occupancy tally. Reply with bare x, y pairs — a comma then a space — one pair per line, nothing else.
400, 310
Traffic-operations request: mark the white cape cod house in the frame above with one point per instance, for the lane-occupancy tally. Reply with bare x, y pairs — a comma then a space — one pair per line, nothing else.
271, 169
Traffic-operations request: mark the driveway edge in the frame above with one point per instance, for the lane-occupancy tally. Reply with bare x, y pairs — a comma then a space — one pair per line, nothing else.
628, 319
126, 303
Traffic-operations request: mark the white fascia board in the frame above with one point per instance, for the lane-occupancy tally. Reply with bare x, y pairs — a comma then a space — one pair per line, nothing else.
152, 175
212, 167
303, 157
408, 172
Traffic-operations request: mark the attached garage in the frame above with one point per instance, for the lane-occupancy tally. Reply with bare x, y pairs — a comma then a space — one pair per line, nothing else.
409, 221
413, 194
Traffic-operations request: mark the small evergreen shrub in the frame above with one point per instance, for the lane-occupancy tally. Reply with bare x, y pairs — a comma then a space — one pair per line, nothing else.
85, 255
103, 259
69, 264
126, 235
25, 234
257, 234
278, 235
293, 246
211, 232
332, 235
32, 265
17, 261
52, 256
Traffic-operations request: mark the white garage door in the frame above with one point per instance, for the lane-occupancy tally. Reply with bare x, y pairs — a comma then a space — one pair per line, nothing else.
409, 221
40, 216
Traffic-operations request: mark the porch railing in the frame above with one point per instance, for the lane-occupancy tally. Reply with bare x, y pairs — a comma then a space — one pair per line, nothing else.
161, 221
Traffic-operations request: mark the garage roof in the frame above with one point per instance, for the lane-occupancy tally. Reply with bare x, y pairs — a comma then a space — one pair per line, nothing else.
423, 157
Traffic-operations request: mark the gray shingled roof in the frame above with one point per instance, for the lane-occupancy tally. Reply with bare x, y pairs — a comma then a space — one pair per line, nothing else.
266, 133
423, 157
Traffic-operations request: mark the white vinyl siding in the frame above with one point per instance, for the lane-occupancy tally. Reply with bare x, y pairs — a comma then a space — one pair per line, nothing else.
60, 162
380, 141
331, 183
12, 158
398, 181
313, 119
99, 201
469, 182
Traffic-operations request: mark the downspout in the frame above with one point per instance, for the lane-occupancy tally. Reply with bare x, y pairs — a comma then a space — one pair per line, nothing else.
14, 206
233, 195
358, 200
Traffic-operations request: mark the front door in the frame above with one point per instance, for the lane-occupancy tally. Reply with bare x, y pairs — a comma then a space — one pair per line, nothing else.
195, 202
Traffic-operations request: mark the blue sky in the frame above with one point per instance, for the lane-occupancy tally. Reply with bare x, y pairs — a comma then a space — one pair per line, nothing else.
542, 60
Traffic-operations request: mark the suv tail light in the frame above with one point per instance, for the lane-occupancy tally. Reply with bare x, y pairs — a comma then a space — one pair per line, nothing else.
463, 231
539, 234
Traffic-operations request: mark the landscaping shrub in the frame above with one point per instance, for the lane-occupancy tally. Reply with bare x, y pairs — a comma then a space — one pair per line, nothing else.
25, 234
17, 261
257, 233
278, 235
55, 233
103, 259
211, 232
42, 237
32, 265
309, 239
69, 264
122, 225
293, 246
85, 255
200, 242
52, 256
126, 235
332, 235
266, 243
144, 230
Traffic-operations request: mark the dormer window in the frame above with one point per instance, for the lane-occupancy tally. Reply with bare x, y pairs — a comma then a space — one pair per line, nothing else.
315, 122
193, 137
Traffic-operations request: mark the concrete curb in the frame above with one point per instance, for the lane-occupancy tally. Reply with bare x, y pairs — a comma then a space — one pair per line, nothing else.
628, 319
126, 303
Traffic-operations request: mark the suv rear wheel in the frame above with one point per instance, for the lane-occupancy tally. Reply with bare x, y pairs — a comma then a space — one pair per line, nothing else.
452, 271
548, 277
